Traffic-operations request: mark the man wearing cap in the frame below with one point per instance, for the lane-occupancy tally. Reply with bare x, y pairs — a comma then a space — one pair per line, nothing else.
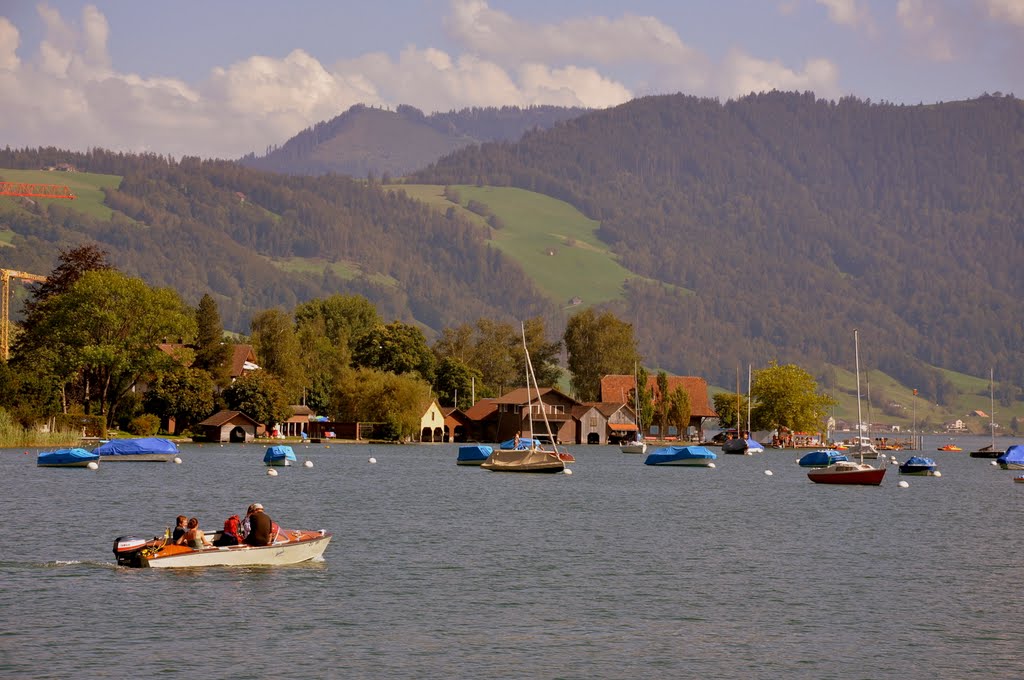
260, 526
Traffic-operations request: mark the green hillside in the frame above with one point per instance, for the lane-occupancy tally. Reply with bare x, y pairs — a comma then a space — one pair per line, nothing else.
86, 186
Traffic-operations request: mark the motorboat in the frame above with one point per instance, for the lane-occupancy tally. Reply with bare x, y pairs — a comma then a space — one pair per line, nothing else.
279, 456
1013, 458
745, 447
989, 451
524, 460
635, 445
821, 458
473, 454
75, 457
291, 546
696, 456
141, 449
918, 465
847, 472
950, 447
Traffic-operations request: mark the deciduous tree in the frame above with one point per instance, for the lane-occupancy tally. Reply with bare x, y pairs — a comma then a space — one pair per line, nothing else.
597, 345
787, 396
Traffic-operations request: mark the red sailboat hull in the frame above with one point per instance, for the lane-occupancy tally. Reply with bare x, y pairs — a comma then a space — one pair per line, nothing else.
870, 476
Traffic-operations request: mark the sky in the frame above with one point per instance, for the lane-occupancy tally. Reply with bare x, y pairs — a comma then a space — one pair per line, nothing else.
225, 78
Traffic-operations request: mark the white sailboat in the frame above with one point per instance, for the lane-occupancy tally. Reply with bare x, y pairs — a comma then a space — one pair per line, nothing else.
638, 444
534, 458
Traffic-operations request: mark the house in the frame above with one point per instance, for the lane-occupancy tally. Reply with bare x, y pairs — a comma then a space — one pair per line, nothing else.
298, 422
956, 426
619, 387
456, 424
522, 412
241, 361
432, 423
604, 422
228, 426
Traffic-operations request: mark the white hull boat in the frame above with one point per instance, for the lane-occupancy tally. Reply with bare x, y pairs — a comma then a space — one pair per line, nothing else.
291, 547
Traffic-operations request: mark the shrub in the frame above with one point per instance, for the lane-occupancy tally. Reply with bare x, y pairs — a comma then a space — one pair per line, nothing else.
145, 425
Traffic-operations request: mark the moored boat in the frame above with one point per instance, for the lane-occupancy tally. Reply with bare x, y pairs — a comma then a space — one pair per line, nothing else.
75, 457
847, 472
141, 449
696, 456
989, 451
473, 454
291, 546
279, 456
821, 458
1013, 458
745, 447
950, 447
524, 460
918, 465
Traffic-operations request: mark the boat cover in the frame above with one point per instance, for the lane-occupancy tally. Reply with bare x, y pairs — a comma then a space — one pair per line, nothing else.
125, 447
821, 458
1013, 455
66, 457
280, 452
754, 445
524, 443
672, 453
474, 452
918, 461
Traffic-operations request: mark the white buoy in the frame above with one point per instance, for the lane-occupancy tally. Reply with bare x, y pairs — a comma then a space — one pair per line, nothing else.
372, 460
993, 463
711, 465
93, 465
936, 474
177, 461
892, 458
568, 471
768, 473
796, 460
271, 472
308, 463
903, 484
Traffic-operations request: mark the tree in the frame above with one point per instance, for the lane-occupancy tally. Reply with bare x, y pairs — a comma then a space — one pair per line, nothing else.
185, 394
453, 379
345, 318
679, 411
275, 343
787, 396
212, 354
103, 334
369, 395
543, 354
322, 361
661, 408
732, 410
494, 355
397, 347
597, 345
259, 395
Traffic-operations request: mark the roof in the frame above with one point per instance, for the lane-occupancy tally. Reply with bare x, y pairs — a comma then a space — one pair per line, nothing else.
523, 395
618, 387
482, 409
243, 358
223, 417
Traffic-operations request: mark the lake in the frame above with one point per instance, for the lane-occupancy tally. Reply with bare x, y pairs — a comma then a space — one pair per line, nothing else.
620, 570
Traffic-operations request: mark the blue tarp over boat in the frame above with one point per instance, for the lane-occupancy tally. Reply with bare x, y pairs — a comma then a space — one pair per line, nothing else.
1013, 458
917, 464
822, 458
680, 455
473, 454
279, 455
127, 447
66, 458
524, 443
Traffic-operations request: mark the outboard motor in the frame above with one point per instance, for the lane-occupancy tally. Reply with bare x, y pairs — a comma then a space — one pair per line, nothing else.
128, 549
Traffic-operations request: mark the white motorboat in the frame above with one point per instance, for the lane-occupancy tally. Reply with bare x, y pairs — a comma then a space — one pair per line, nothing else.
291, 546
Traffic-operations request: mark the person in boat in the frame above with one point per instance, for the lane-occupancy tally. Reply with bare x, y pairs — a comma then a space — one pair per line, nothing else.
194, 537
229, 536
515, 441
260, 527
180, 528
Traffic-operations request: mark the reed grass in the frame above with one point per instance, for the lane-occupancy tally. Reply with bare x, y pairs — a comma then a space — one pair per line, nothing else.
14, 435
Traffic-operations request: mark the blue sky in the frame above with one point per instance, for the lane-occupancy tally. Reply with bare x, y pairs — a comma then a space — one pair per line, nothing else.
223, 78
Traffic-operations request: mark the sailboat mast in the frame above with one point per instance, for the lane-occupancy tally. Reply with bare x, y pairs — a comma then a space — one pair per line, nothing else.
749, 373
529, 400
992, 405
860, 421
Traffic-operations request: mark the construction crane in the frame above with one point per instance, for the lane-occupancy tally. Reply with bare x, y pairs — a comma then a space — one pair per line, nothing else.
5, 331
35, 190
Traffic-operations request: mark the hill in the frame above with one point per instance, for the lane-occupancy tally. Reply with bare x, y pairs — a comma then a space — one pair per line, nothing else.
366, 141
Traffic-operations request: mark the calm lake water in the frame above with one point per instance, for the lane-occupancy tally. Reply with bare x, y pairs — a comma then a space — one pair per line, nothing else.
620, 570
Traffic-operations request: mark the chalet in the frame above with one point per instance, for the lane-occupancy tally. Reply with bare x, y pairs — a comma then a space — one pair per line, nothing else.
499, 419
241, 361
604, 422
456, 424
228, 426
619, 388
298, 423
432, 423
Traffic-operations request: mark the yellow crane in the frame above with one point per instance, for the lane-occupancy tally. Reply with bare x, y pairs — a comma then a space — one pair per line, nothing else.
5, 331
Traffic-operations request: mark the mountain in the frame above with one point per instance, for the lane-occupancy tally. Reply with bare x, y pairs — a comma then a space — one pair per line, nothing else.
367, 141
765, 228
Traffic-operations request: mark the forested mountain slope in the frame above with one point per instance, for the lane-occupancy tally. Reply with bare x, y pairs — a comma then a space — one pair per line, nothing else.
215, 226
365, 141
796, 220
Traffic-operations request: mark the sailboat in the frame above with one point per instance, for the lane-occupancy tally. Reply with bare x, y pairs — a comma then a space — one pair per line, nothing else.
637, 444
532, 457
848, 471
990, 451
743, 444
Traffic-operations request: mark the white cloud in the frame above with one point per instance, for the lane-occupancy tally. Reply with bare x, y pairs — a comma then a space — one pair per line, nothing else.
926, 24
846, 12
742, 74
9, 39
1010, 11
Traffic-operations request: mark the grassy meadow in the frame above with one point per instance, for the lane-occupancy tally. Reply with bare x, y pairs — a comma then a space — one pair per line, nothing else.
86, 186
